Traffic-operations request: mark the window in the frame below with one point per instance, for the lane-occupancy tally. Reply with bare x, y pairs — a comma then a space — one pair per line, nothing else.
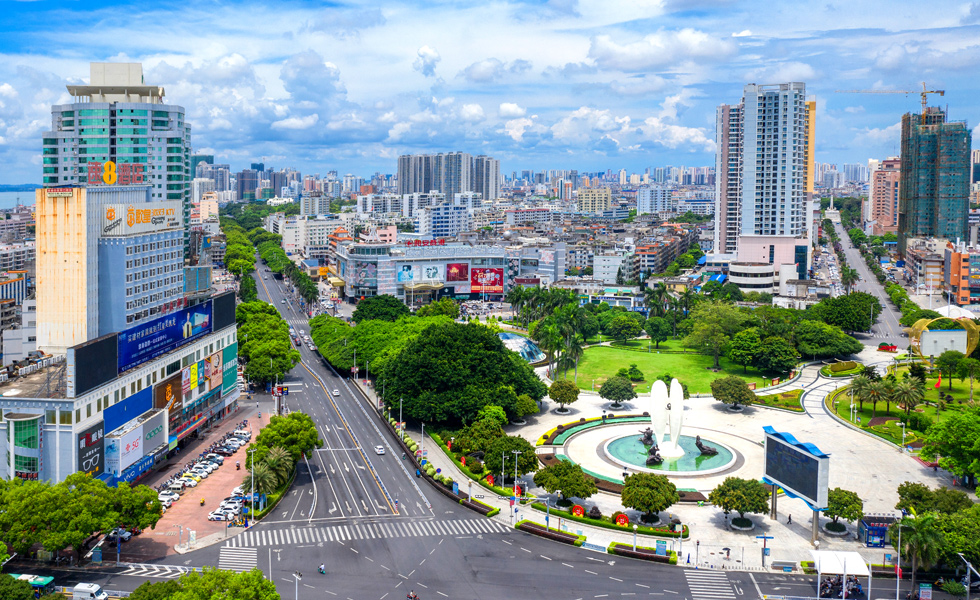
88, 410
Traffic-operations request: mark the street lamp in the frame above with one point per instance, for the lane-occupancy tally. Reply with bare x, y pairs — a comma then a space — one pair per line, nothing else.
297, 576
903, 435
969, 574
635, 527
252, 469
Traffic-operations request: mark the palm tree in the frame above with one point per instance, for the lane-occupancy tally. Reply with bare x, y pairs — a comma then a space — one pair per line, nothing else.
263, 478
876, 393
860, 390
908, 393
848, 277
969, 367
656, 297
573, 352
687, 298
280, 462
921, 539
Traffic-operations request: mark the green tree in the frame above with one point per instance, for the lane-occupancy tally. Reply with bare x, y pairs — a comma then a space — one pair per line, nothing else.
968, 368
160, 590
478, 436
563, 392
15, 589
649, 493
618, 389
296, 433
744, 347
262, 478
280, 462
921, 540
493, 413
527, 460
947, 501
848, 277
658, 329
856, 311
714, 324
948, 363
624, 328
566, 477
961, 533
732, 390
819, 340
861, 389
526, 405
446, 307
844, 504
247, 291
214, 583
956, 440
384, 307
740, 495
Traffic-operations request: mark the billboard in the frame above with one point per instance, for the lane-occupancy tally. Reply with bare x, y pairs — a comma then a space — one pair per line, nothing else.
432, 272
194, 370
407, 273
489, 281
131, 447
934, 343
91, 450
214, 374
230, 376
185, 380
801, 469
223, 309
362, 273
120, 220
123, 412
168, 395
92, 364
143, 343
154, 432
457, 272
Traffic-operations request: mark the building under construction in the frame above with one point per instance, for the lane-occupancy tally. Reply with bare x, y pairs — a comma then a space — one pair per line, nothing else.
934, 191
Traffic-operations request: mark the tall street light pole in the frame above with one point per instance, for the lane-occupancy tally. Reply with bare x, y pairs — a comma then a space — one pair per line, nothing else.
252, 469
297, 576
516, 453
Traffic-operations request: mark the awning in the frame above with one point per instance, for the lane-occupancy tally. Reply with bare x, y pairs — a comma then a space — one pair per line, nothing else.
336, 281
828, 562
702, 260
424, 286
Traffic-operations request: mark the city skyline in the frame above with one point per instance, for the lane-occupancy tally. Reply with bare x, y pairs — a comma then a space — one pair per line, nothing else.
574, 85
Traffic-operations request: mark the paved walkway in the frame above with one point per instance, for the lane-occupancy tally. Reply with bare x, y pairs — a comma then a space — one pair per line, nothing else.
865, 464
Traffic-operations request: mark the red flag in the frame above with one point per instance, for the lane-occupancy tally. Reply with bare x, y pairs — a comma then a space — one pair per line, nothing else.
939, 381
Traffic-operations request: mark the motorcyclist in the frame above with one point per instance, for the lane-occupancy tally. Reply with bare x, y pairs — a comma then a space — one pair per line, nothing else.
322, 569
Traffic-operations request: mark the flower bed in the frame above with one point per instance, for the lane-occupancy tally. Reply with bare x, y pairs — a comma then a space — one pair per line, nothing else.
550, 533
480, 507
789, 400
828, 371
274, 498
567, 429
607, 523
642, 553
496, 489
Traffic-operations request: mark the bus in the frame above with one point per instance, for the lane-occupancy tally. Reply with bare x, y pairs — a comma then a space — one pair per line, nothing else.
42, 586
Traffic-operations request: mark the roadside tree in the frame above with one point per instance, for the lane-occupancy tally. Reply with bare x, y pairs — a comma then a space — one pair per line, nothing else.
384, 308
563, 392
742, 496
566, 477
843, 504
732, 390
649, 493
527, 460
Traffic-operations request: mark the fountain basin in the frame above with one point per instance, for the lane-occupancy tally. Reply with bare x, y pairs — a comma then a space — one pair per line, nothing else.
629, 451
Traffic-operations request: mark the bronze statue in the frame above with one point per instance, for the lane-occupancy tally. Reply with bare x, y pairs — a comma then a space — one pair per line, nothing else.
647, 439
653, 456
705, 450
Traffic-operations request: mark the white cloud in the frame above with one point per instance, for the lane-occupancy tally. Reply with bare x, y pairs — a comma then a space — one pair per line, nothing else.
743, 33
426, 61
676, 136
782, 72
490, 69
515, 128
8, 91
396, 132
880, 136
297, 122
639, 85
508, 110
583, 124
471, 113
661, 49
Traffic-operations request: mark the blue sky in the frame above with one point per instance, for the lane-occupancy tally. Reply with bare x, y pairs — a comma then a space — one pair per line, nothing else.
540, 84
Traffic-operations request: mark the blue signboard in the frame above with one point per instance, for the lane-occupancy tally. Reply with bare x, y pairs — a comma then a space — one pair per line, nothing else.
137, 469
143, 343
120, 413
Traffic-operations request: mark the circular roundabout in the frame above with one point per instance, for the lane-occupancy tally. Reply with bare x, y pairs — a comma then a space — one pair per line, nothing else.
631, 451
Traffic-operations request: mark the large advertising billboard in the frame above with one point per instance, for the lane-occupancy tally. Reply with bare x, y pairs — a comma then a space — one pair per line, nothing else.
487, 281
120, 413
143, 343
230, 368
92, 364
457, 272
215, 371
91, 450
801, 469
131, 447
432, 272
168, 395
154, 432
119, 220
406, 274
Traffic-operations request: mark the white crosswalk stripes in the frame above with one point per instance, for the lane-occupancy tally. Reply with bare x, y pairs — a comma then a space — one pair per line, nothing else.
365, 531
709, 585
237, 559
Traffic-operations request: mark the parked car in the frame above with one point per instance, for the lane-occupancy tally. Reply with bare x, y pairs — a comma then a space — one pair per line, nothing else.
221, 515
215, 458
120, 533
238, 491
165, 502
203, 464
223, 451
200, 472
165, 494
192, 476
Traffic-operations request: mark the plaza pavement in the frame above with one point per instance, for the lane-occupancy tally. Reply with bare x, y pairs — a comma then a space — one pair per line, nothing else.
859, 462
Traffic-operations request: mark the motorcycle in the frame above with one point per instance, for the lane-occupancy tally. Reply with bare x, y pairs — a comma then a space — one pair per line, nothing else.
202, 501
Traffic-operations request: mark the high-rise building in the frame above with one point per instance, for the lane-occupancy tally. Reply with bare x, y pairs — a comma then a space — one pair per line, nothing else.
115, 128
197, 159
594, 200
975, 166
246, 182
260, 167
444, 220
883, 196
450, 173
652, 200
934, 188
762, 164
486, 177
220, 174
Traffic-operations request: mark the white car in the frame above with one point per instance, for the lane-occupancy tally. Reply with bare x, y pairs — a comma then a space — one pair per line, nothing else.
238, 491
207, 466
233, 507
165, 495
188, 481
234, 443
165, 502
200, 472
379, 449
221, 515
336, 392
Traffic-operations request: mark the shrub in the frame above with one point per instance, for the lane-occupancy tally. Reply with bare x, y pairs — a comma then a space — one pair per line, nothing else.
476, 467
918, 421
595, 513
954, 588
615, 515
836, 527
846, 365
741, 522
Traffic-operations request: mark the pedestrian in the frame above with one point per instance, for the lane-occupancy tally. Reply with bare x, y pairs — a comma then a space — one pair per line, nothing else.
789, 520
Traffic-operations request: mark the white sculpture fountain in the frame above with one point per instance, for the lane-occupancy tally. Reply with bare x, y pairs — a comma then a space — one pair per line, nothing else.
667, 408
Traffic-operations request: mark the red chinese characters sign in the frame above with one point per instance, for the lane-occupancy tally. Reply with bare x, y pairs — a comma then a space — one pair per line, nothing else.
438, 242
490, 281
110, 173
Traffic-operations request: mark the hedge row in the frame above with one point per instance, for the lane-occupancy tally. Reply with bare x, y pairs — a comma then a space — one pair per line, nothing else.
549, 533
642, 553
605, 523
496, 489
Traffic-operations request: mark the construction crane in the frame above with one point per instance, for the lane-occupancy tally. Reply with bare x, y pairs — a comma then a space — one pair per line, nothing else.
923, 93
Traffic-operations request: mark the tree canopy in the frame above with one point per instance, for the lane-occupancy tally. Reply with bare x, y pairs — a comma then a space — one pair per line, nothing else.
264, 342
563, 392
384, 307
819, 340
210, 584
295, 432
715, 322
618, 389
956, 440
566, 477
527, 460
744, 347
856, 311
740, 495
446, 307
844, 504
649, 493
732, 390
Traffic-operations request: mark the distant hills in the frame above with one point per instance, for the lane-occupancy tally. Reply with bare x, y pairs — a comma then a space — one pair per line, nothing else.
24, 187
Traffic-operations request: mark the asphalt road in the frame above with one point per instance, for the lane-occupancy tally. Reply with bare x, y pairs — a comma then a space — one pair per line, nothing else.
887, 329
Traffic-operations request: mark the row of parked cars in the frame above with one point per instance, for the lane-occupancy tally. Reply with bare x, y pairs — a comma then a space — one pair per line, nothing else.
204, 467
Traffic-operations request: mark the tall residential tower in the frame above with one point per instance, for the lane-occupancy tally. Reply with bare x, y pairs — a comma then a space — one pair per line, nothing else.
118, 119
763, 164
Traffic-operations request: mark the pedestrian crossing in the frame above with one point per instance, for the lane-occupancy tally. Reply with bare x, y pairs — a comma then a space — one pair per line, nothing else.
238, 559
365, 531
708, 585
159, 571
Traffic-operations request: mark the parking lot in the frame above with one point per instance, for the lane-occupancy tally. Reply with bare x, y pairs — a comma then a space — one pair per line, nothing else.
187, 513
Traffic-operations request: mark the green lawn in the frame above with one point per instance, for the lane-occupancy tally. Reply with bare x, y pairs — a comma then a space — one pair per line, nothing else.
602, 362
789, 400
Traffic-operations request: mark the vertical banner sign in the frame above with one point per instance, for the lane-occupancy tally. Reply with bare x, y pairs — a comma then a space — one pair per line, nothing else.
91, 450
185, 381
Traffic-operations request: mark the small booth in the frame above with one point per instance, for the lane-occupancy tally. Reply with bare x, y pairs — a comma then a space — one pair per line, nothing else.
873, 530
838, 574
